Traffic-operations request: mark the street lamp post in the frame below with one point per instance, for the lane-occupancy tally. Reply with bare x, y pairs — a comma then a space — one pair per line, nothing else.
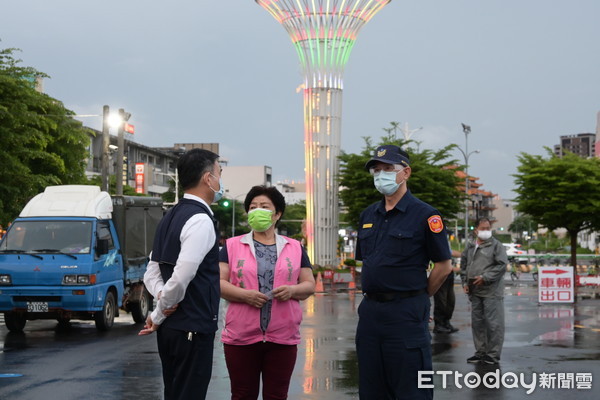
176, 179
466, 155
105, 144
123, 117
233, 217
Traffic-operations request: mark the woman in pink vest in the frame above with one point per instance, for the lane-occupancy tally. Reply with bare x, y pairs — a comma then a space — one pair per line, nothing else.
263, 277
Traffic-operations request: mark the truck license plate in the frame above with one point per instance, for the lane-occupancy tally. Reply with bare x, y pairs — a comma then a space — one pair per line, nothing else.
37, 306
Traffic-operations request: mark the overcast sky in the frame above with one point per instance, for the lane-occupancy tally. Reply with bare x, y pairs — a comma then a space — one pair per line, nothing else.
520, 73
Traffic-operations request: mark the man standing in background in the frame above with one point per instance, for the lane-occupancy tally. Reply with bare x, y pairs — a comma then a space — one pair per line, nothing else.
483, 265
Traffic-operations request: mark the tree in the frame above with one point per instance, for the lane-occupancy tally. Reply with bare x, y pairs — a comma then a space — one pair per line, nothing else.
41, 143
433, 178
521, 224
560, 192
169, 195
223, 210
291, 221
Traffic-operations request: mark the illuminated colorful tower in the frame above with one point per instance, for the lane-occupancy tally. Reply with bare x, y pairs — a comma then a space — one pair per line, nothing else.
323, 32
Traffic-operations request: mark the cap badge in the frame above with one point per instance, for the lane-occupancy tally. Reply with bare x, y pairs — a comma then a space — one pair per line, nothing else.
381, 153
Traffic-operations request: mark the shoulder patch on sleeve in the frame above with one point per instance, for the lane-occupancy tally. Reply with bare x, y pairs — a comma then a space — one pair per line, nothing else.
435, 223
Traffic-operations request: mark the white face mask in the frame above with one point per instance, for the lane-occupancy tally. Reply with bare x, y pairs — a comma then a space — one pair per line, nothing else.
484, 235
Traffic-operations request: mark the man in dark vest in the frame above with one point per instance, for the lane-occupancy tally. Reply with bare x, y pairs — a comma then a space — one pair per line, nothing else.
183, 274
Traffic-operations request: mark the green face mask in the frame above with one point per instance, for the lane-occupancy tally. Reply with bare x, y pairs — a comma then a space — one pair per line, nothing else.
260, 219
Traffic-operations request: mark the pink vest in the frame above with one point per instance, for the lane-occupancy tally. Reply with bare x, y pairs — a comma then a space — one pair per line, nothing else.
242, 321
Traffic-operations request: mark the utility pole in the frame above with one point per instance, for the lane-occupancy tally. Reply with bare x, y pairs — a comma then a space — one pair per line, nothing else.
105, 143
123, 117
466, 155
466, 130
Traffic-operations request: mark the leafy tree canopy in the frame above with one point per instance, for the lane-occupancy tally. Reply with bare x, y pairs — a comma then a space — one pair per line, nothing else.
41, 143
522, 223
433, 178
291, 221
560, 192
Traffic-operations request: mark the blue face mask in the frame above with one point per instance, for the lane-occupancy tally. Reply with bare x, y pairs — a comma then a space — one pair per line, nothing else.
385, 182
218, 193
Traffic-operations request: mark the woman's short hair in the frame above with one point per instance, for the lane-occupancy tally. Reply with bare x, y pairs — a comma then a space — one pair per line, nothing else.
271, 192
193, 164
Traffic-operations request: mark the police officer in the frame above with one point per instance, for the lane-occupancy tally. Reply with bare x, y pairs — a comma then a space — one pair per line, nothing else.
397, 237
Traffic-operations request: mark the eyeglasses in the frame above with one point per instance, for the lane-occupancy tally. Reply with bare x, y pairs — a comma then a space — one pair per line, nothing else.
387, 168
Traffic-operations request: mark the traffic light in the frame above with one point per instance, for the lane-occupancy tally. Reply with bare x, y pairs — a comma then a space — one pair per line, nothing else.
225, 203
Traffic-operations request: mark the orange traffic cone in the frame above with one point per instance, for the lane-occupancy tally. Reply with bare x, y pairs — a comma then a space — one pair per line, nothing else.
319, 285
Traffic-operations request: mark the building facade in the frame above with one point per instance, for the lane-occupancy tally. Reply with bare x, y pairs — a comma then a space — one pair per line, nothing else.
582, 144
159, 164
504, 214
293, 192
480, 202
239, 180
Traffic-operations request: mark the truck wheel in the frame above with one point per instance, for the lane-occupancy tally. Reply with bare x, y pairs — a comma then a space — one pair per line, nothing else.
140, 309
15, 322
105, 318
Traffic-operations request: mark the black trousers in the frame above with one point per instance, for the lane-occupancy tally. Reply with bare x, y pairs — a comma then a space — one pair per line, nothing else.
443, 302
186, 364
393, 344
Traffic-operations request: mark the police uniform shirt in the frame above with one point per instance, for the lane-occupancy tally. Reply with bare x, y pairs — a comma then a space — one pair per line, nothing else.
397, 245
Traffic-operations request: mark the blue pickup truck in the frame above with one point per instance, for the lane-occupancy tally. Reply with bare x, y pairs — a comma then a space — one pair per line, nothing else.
75, 252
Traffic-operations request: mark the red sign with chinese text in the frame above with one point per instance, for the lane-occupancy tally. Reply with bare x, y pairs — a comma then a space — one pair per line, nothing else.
556, 285
139, 177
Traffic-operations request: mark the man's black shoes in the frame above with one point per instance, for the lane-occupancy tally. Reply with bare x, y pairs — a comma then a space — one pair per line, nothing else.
489, 360
444, 329
475, 359
441, 329
482, 359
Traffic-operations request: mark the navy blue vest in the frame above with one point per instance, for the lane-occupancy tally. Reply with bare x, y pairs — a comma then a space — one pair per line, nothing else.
199, 309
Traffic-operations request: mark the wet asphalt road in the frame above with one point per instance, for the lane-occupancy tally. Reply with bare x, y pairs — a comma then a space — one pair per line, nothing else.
81, 363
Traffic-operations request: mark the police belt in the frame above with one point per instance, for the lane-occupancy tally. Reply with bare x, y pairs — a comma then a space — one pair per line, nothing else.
384, 297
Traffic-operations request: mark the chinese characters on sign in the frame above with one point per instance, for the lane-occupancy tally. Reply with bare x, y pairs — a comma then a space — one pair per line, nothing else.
139, 177
556, 285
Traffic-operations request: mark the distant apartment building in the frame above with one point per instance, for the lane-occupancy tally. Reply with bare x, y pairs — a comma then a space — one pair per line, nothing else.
157, 165
238, 180
504, 214
293, 192
180, 148
582, 144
